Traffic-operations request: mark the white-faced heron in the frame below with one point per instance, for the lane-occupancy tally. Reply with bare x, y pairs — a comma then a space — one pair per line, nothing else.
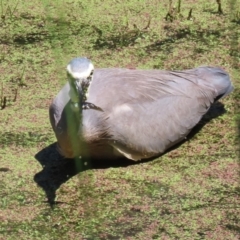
138, 114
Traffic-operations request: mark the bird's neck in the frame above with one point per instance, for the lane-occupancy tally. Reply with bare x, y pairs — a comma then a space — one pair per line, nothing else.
76, 101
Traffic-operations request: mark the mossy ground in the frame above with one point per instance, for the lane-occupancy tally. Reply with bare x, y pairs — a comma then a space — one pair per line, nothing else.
191, 192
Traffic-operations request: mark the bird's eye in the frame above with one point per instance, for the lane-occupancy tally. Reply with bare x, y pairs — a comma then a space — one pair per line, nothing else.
90, 76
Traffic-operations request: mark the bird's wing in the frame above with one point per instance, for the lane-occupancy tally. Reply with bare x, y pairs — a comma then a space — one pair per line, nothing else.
149, 111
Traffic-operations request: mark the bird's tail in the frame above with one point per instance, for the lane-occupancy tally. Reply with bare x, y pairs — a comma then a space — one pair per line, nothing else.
219, 79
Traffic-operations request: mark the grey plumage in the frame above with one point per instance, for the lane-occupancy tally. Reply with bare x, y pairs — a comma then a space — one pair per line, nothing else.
144, 111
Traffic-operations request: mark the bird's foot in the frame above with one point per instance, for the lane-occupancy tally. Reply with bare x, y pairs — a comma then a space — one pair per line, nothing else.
88, 105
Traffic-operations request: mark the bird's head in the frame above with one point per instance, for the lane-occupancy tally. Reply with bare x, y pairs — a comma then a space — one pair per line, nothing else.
80, 73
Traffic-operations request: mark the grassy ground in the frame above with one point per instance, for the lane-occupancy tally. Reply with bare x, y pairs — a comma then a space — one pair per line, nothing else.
191, 192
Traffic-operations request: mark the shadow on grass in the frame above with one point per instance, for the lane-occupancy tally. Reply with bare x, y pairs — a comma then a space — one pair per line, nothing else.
121, 36
184, 33
58, 170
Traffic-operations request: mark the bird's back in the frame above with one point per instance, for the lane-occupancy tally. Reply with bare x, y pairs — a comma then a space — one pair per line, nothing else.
148, 111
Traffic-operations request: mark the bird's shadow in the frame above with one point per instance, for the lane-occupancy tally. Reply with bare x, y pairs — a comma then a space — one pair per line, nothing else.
57, 169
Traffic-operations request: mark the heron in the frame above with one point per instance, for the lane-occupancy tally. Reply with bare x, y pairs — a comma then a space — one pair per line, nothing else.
132, 113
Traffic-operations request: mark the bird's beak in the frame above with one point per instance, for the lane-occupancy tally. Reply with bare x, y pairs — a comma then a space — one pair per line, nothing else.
78, 85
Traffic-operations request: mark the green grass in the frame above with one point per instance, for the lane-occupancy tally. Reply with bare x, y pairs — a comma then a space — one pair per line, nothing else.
191, 192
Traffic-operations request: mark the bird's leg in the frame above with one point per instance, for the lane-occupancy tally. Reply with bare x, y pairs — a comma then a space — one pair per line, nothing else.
88, 105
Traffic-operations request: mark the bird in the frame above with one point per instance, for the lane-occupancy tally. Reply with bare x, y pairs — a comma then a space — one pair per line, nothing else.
107, 113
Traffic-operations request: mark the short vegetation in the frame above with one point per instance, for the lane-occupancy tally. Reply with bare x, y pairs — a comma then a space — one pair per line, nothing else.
191, 192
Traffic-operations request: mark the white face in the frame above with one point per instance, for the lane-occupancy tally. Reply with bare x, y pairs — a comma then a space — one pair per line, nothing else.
79, 82
80, 75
